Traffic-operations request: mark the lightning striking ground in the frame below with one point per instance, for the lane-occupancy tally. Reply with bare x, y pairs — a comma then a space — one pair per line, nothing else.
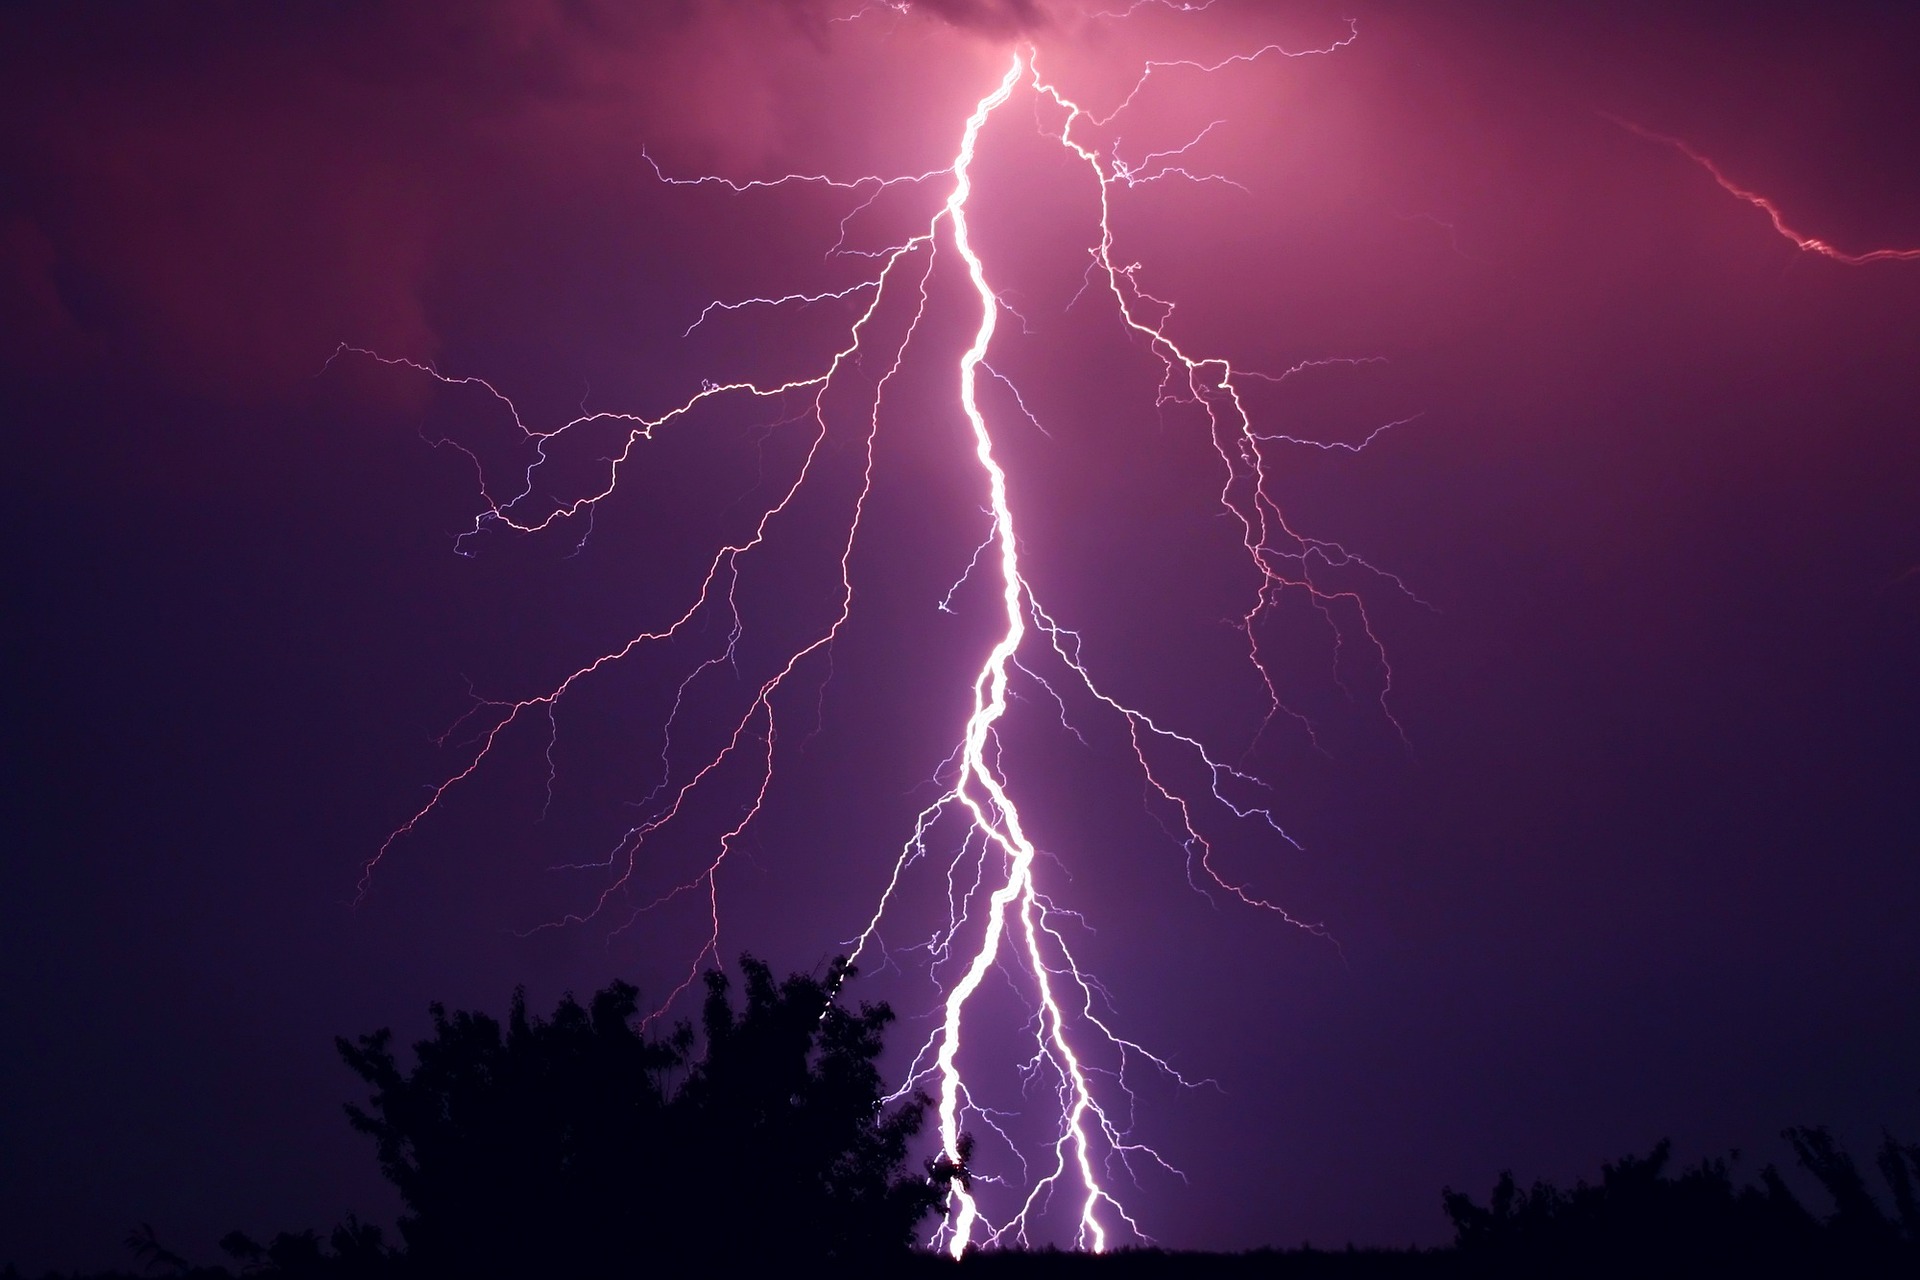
1000, 918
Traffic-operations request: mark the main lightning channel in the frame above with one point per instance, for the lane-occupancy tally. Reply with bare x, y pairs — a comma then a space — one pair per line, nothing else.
1016, 912
981, 790
999, 919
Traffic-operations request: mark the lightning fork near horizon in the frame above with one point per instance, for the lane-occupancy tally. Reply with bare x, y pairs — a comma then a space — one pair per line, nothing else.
1000, 919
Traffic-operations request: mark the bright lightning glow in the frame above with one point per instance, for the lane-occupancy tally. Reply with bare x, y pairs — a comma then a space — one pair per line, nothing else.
999, 917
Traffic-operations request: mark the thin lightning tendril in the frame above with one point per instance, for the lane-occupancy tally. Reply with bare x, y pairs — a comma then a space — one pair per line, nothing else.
999, 919
1805, 243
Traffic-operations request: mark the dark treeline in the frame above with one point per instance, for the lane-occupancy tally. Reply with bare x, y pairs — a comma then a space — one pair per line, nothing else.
563, 1146
578, 1147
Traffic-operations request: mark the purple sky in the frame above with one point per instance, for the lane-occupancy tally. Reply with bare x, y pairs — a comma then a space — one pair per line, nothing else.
1643, 865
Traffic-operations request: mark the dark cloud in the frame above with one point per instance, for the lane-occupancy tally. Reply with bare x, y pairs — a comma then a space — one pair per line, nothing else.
42, 332
221, 194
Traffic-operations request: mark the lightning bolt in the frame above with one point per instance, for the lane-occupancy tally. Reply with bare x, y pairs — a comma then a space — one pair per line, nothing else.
999, 917
1800, 240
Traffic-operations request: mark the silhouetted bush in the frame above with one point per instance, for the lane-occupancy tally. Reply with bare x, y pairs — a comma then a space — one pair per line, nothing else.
354, 1250
1640, 1220
577, 1146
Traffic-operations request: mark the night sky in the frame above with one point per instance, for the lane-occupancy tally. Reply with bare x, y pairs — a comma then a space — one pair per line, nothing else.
1628, 853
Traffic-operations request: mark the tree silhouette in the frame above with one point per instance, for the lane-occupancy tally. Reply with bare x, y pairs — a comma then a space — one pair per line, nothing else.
359, 1250
1639, 1219
565, 1146
150, 1253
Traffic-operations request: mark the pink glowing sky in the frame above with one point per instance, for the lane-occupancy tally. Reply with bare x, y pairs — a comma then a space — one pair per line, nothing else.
1642, 866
